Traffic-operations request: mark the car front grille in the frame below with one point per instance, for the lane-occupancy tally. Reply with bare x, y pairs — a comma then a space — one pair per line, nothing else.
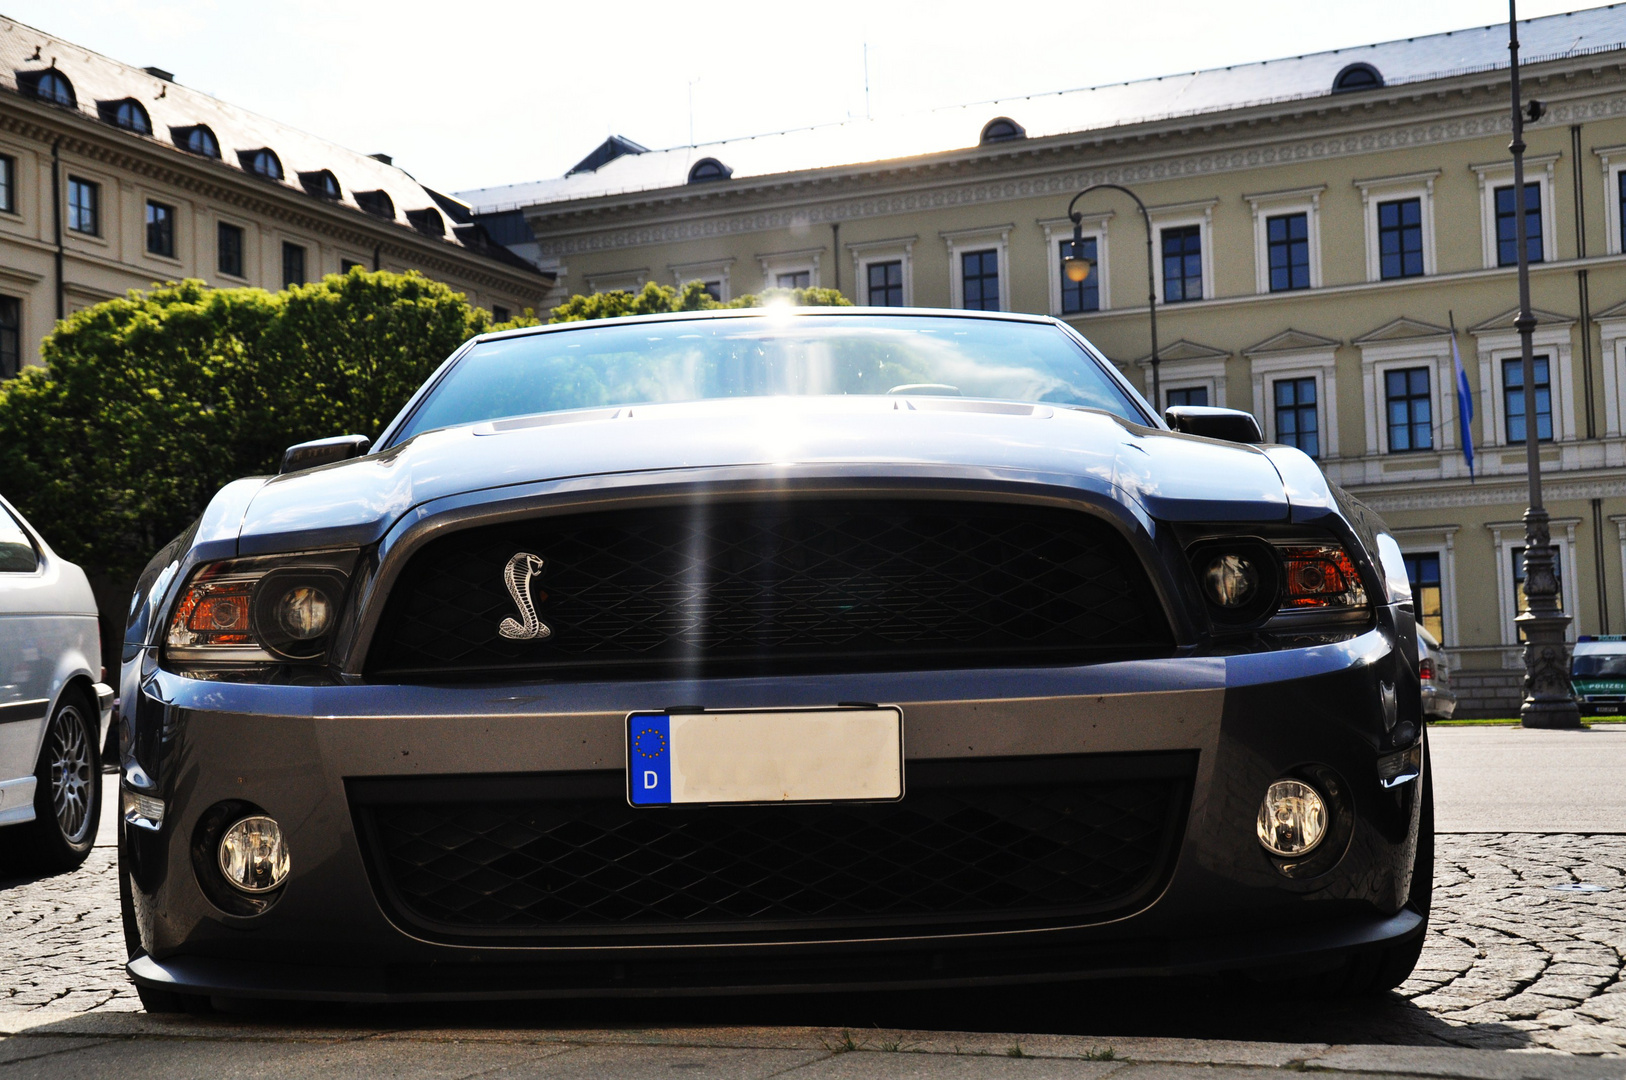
978, 844
775, 587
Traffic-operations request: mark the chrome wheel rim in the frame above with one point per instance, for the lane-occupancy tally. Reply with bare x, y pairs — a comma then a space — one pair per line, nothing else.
71, 775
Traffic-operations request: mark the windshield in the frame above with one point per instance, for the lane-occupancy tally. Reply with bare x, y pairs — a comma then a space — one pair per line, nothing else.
806, 355
1599, 666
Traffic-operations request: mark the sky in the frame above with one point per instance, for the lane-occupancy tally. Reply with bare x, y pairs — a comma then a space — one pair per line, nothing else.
511, 91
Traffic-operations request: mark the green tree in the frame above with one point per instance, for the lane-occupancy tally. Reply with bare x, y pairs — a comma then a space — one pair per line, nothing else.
145, 406
657, 299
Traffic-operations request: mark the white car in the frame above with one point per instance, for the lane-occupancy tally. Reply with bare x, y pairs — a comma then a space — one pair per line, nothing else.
1439, 701
54, 708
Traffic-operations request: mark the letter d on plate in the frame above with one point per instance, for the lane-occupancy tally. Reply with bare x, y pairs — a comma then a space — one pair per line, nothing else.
649, 760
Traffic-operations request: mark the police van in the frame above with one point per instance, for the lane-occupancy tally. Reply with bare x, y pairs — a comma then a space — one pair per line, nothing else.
1598, 673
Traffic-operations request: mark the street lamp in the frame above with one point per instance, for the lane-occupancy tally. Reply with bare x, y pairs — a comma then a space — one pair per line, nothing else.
1077, 268
1549, 699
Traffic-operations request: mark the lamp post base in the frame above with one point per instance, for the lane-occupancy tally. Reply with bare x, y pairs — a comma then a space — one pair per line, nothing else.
1549, 701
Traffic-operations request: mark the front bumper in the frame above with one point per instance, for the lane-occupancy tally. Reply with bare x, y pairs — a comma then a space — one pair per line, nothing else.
1224, 903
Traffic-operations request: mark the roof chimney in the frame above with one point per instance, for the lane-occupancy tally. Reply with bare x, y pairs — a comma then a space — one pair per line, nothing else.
385, 158
160, 73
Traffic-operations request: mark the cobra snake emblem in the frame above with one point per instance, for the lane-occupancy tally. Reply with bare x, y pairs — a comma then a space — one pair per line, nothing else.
517, 576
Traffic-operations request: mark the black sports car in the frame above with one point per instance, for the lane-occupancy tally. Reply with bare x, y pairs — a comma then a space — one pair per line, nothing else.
771, 650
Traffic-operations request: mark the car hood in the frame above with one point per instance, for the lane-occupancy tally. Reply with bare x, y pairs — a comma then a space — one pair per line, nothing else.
1169, 476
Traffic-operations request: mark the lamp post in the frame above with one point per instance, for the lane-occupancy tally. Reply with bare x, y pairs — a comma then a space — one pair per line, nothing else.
1077, 268
1549, 700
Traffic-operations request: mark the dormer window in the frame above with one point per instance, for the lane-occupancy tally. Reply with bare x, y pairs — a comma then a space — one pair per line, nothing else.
50, 86
1002, 129
1357, 77
322, 184
427, 221
708, 169
197, 140
377, 203
261, 162
127, 114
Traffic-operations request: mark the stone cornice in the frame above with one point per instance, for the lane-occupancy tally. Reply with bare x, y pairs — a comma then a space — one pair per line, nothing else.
1449, 111
1513, 492
219, 183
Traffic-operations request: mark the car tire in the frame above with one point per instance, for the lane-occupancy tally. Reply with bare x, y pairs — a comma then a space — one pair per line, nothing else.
1377, 971
67, 792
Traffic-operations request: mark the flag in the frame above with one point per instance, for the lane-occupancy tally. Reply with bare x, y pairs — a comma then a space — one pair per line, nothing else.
1465, 404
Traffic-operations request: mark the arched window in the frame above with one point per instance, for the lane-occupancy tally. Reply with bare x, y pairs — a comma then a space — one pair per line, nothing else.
708, 169
427, 221
1002, 129
51, 86
129, 115
322, 184
262, 162
197, 140
1357, 77
377, 203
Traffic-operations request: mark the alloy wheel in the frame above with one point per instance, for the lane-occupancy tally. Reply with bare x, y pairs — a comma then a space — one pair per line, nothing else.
71, 773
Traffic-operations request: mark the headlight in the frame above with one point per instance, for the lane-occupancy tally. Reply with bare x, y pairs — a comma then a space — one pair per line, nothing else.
1247, 581
264, 610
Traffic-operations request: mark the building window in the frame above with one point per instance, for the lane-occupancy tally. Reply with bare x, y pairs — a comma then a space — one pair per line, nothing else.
1077, 296
1185, 395
1521, 603
8, 184
1411, 411
262, 163
293, 265
1620, 195
129, 115
1287, 239
84, 206
499, 314
1400, 238
347, 265
1507, 224
714, 289
1297, 423
979, 280
229, 248
1424, 573
885, 283
11, 336
160, 229
201, 141
54, 87
1513, 399
1182, 264
796, 279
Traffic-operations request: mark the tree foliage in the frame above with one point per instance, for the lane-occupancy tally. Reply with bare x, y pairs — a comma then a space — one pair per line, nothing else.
657, 299
146, 405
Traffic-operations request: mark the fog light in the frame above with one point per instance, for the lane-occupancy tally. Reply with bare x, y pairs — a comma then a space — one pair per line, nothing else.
1292, 819
253, 857
1231, 581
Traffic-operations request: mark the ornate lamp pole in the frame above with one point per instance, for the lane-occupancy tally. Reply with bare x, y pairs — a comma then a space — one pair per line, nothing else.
1549, 700
1077, 268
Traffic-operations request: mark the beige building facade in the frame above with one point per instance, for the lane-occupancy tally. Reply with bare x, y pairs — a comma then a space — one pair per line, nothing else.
114, 177
1321, 225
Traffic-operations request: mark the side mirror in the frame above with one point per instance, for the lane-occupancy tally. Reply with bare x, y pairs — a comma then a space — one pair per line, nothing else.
308, 455
1228, 424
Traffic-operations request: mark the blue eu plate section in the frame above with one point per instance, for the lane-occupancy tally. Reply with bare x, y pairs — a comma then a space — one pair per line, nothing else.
649, 759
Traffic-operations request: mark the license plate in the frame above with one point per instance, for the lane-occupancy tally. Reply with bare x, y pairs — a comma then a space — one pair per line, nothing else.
750, 756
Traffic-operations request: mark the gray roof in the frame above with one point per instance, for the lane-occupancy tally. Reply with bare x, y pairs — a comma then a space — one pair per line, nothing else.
26, 52
858, 142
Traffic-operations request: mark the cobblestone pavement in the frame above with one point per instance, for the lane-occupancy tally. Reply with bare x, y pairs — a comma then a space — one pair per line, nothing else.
1511, 963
